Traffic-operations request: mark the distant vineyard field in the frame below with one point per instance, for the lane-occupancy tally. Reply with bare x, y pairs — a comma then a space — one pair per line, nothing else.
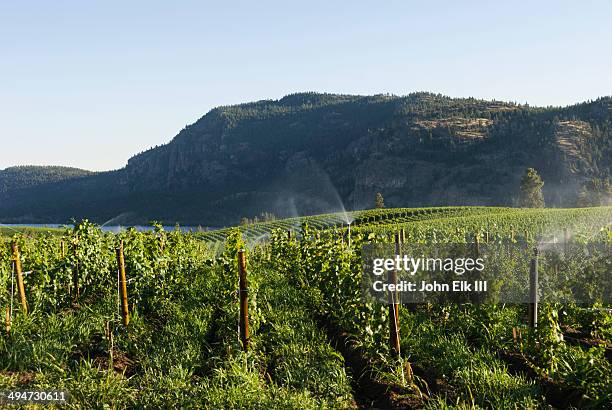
6, 231
391, 219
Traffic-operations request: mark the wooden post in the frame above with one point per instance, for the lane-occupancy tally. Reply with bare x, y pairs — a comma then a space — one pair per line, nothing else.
8, 320
394, 334
516, 337
63, 256
244, 300
533, 291
75, 273
125, 313
289, 234
403, 232
18, 271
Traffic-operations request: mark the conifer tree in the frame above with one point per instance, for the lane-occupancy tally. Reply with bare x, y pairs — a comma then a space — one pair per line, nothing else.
531, 190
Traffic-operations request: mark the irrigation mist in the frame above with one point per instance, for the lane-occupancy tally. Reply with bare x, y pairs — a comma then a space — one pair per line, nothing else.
322, 196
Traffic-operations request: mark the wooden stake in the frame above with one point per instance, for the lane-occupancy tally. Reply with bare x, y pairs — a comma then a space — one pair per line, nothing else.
244, 300
125, 313
75, 273
63, 256
18, 271
516, 337
533, 291
8, 320
394, 334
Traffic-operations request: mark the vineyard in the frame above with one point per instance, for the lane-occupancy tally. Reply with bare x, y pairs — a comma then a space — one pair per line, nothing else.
357, 218
271, 315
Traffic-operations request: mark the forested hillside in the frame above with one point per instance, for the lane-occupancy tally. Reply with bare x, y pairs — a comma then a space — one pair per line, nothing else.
22, 177
311, 153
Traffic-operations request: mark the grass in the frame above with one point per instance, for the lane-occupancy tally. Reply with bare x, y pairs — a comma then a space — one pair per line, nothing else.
295, 349
181, 353
476, 375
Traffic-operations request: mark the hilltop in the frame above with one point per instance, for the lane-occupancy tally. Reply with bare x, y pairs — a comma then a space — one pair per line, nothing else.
23, 177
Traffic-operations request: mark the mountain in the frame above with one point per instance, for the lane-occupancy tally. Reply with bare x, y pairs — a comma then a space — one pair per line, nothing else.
310, 152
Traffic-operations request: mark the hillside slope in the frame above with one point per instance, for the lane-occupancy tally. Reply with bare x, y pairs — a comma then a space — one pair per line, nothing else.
23, 177
313, 153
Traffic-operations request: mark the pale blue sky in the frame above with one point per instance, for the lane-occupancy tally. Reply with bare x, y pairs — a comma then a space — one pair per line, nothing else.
90, 83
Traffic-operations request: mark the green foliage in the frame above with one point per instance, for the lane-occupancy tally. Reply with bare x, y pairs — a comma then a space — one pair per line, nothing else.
531, 190
379, 202
181, 348
595, 192
23, 177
